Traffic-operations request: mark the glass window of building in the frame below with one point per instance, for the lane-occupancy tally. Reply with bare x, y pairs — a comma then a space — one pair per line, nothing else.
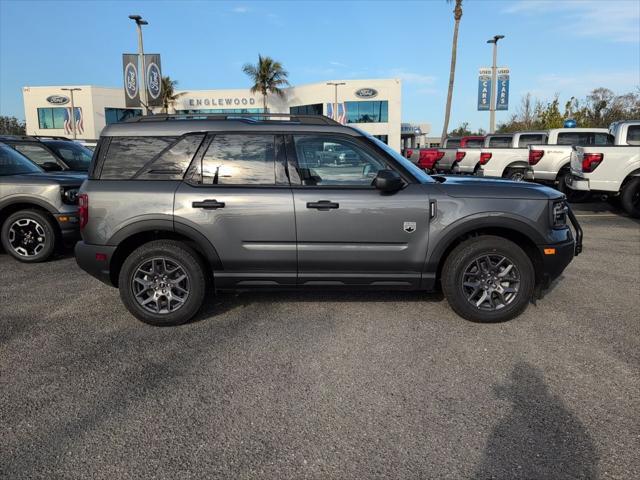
115, 115
314, 109
51, 118
240, 160
369, 111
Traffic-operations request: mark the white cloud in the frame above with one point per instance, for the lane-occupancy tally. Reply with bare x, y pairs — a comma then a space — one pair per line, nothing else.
241, 9
409, 76
337, 64
579, 84
613, 20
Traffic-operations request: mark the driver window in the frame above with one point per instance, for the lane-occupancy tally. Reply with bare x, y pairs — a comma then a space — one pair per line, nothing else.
325, 160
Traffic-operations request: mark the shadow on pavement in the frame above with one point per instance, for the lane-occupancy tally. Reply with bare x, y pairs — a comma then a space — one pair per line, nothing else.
540, 438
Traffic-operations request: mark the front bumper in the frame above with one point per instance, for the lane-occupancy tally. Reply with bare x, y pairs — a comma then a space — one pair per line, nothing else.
95, 260
556, 257
69, 226
577, 183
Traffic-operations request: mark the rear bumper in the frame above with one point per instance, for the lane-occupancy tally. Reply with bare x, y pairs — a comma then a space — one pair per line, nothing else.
577, 183
95, 260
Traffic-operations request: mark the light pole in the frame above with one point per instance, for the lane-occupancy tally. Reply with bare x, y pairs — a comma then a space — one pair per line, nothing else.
494, 68
73, 109
335, 103
143, 91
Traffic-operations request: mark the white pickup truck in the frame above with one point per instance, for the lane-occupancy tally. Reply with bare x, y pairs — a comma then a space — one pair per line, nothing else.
511, 162
551, 162
613, 170
450, 156
470, 157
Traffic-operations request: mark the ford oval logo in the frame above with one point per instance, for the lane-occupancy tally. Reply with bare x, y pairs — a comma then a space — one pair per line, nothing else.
131, 80
366, 93
154, 81
58, 99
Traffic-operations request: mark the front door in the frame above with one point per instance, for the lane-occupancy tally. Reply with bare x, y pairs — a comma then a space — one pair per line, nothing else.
237, 194
348, 232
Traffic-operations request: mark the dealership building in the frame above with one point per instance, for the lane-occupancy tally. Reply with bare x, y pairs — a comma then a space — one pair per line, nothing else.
371, 105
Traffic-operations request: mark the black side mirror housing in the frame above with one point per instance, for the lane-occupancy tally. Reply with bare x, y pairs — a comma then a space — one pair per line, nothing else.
51, 167
388, 181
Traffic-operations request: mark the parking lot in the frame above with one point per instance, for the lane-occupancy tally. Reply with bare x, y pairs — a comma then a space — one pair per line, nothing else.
325, 385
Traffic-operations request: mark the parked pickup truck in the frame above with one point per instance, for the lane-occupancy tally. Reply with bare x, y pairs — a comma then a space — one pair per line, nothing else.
611, 169
449, 150
511, 162
551, 163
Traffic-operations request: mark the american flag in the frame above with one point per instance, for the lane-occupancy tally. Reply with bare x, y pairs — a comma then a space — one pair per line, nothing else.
342, 113
68, 129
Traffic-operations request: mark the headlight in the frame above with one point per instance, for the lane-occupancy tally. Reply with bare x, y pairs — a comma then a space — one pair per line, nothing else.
70, 196
559, 214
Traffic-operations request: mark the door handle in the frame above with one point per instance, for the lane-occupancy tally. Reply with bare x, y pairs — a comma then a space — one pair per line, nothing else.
323, 205
208, 204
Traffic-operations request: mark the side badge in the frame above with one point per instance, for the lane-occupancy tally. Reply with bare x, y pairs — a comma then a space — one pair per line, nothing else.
409, 227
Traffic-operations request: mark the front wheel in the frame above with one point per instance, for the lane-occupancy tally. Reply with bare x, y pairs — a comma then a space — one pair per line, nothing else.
630, 198
163, 283
29, 236
488, 279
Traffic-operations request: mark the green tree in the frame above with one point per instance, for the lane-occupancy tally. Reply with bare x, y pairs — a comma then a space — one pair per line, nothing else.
464, 131
12, 126
268, 77
457, 15
169, 95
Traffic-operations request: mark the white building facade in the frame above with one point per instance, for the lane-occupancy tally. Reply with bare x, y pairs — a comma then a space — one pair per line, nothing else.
372, 105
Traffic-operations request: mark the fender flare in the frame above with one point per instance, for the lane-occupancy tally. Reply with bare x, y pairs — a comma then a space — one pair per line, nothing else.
476, 222
7, 202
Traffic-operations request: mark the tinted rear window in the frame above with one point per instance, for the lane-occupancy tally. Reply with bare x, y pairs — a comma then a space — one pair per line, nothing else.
499, 142
172, 162
583, 138
531, 139
127, 155
474, 143
452, 143
633, 135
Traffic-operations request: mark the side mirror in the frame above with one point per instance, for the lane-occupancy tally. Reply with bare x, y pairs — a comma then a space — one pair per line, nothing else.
388, 181
51, 167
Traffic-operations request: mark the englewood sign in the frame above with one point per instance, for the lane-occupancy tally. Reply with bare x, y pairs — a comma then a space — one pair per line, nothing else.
220, 102
58, 99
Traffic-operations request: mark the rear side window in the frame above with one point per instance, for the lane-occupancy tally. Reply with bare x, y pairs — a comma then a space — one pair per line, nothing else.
127, 155
172, 162
240, 160
633, 135
531, 139
499, 142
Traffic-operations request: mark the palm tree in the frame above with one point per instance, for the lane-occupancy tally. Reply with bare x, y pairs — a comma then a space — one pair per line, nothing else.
457, 15
169, 96
268, 77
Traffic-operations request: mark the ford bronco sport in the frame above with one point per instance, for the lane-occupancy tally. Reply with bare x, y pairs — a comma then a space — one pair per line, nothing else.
38, 210
177, 205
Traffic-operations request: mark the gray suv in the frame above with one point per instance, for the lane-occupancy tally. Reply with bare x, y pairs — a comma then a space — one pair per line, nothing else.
179, 206
38, 210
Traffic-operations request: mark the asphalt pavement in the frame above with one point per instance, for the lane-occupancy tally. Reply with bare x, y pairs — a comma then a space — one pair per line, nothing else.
325, 385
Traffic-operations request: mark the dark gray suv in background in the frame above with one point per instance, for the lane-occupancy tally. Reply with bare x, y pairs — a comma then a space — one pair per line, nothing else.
179, 206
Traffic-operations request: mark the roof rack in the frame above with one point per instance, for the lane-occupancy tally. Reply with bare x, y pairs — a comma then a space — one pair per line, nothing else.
51, 137
248, 117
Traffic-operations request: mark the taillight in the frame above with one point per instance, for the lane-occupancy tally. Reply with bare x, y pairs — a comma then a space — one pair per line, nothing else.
409, 153
535, 156
460, 156
484, 157
590, 161
83, 209
428, 158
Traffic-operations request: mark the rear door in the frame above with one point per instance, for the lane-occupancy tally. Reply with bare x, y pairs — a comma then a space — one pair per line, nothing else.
238, 196
348, 232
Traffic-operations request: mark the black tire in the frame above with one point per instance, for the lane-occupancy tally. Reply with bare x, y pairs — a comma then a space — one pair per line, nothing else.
463, 257
174, 253
515, 174
630, 198
29, 236
573, 196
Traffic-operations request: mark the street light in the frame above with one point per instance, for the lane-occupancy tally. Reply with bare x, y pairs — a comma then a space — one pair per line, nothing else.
143, 91
335, 104
492, 106
73, 109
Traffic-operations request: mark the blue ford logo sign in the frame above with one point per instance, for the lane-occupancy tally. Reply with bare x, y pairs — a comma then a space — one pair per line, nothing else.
366, 93
58, 99
131, 80
154, 81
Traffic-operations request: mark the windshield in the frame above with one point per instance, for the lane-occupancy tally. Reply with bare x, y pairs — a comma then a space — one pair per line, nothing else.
407, 164
13, 163
77, 156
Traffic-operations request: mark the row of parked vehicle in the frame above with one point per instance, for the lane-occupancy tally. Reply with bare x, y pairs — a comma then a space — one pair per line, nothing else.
576, 161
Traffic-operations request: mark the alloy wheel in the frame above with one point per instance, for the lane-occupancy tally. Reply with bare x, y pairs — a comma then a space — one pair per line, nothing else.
160, 285
491, 282
27, 237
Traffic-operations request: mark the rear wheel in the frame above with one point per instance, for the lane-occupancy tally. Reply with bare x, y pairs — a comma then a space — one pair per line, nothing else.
488, 279
29, 236
630, 198
163, 283
515, 174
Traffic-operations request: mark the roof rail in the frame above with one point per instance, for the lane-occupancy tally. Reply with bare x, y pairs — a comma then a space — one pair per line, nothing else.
249, 117
51, 137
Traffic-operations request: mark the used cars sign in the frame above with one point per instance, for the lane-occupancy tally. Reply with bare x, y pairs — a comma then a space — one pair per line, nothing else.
366, 93
58, 99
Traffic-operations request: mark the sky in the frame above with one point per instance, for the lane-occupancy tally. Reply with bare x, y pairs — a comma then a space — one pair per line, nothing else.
552, 47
